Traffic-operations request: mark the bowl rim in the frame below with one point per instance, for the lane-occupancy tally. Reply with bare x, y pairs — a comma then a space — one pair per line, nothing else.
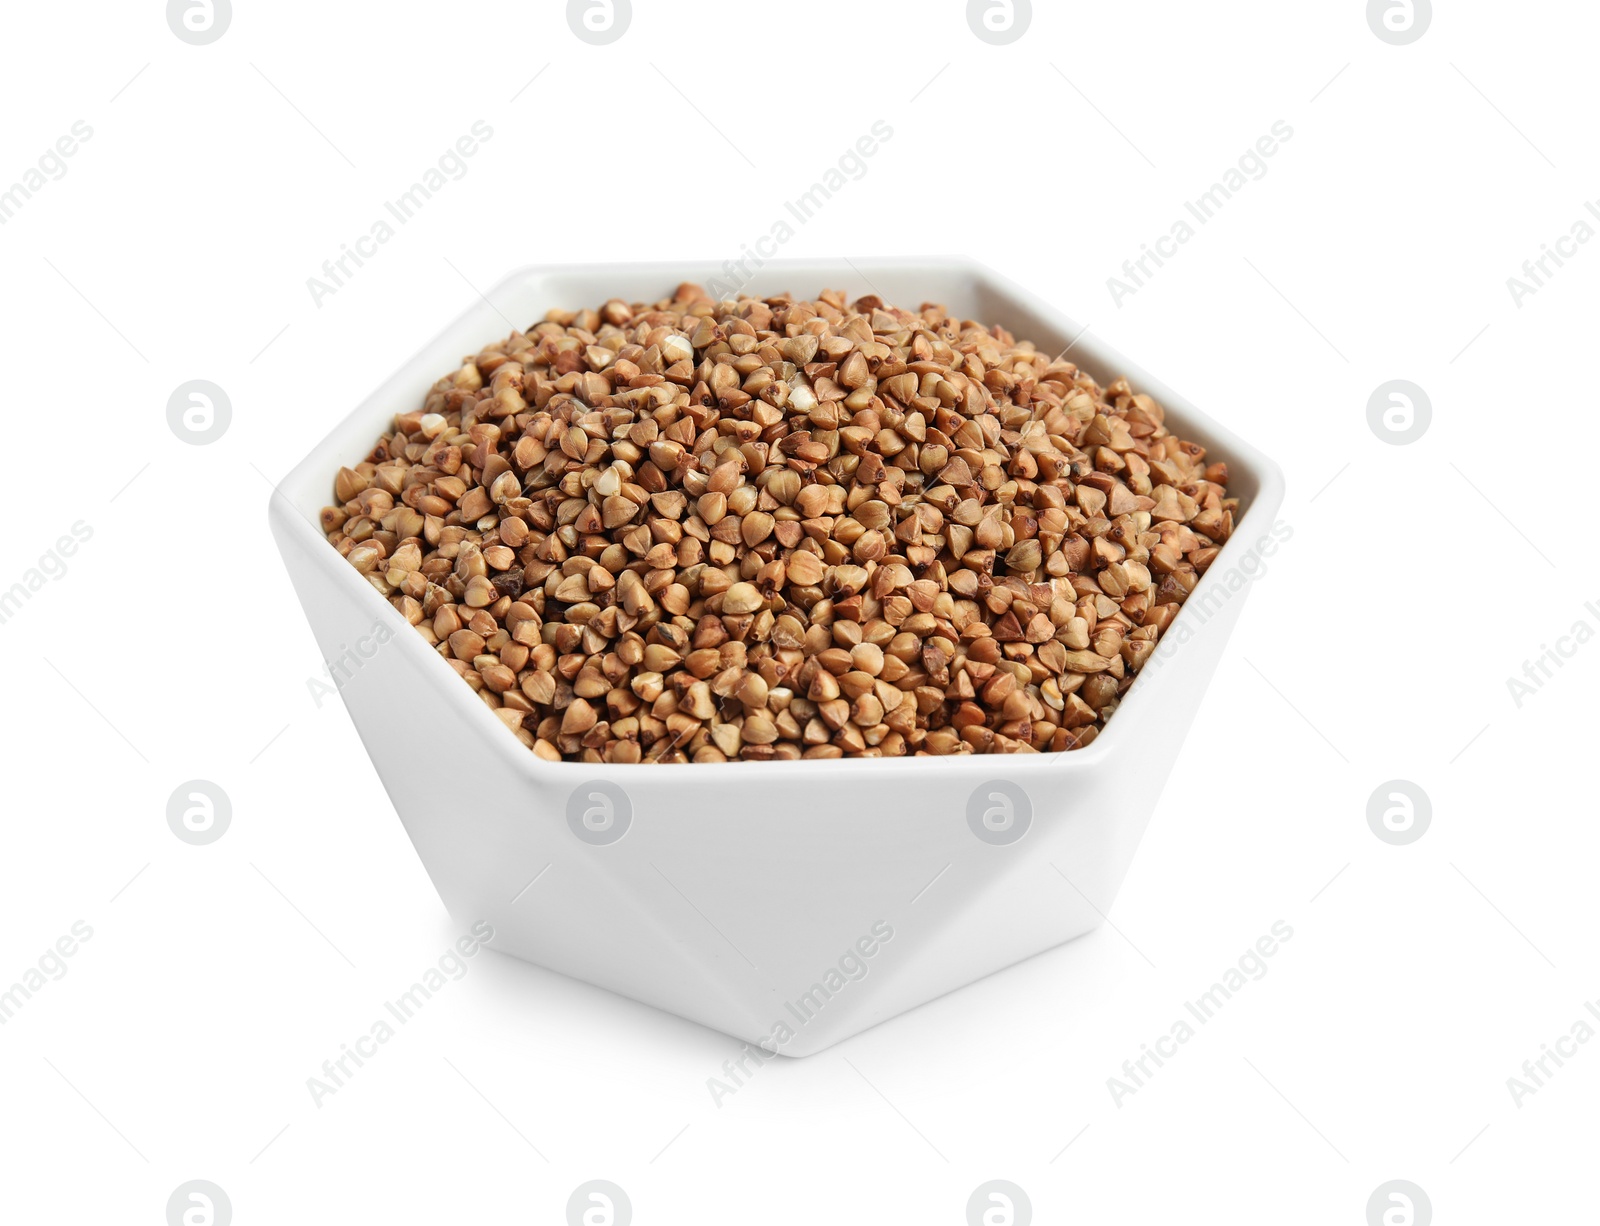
292, 525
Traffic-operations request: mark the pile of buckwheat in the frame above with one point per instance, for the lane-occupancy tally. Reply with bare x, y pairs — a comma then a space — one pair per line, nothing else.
704, 531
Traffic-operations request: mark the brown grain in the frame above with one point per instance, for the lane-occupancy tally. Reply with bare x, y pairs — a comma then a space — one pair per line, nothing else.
690, 531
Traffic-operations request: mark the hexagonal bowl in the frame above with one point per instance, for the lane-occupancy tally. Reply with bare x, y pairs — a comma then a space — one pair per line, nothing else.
790, 904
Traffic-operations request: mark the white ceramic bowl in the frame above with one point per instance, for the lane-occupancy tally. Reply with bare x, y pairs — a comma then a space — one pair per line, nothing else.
791, 904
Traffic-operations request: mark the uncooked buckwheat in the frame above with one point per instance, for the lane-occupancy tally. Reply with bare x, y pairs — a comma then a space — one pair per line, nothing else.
702, 531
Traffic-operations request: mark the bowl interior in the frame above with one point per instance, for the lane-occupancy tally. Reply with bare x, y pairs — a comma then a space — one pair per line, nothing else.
969, 290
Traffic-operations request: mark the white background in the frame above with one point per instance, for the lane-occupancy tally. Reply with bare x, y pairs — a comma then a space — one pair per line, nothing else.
1419, 578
